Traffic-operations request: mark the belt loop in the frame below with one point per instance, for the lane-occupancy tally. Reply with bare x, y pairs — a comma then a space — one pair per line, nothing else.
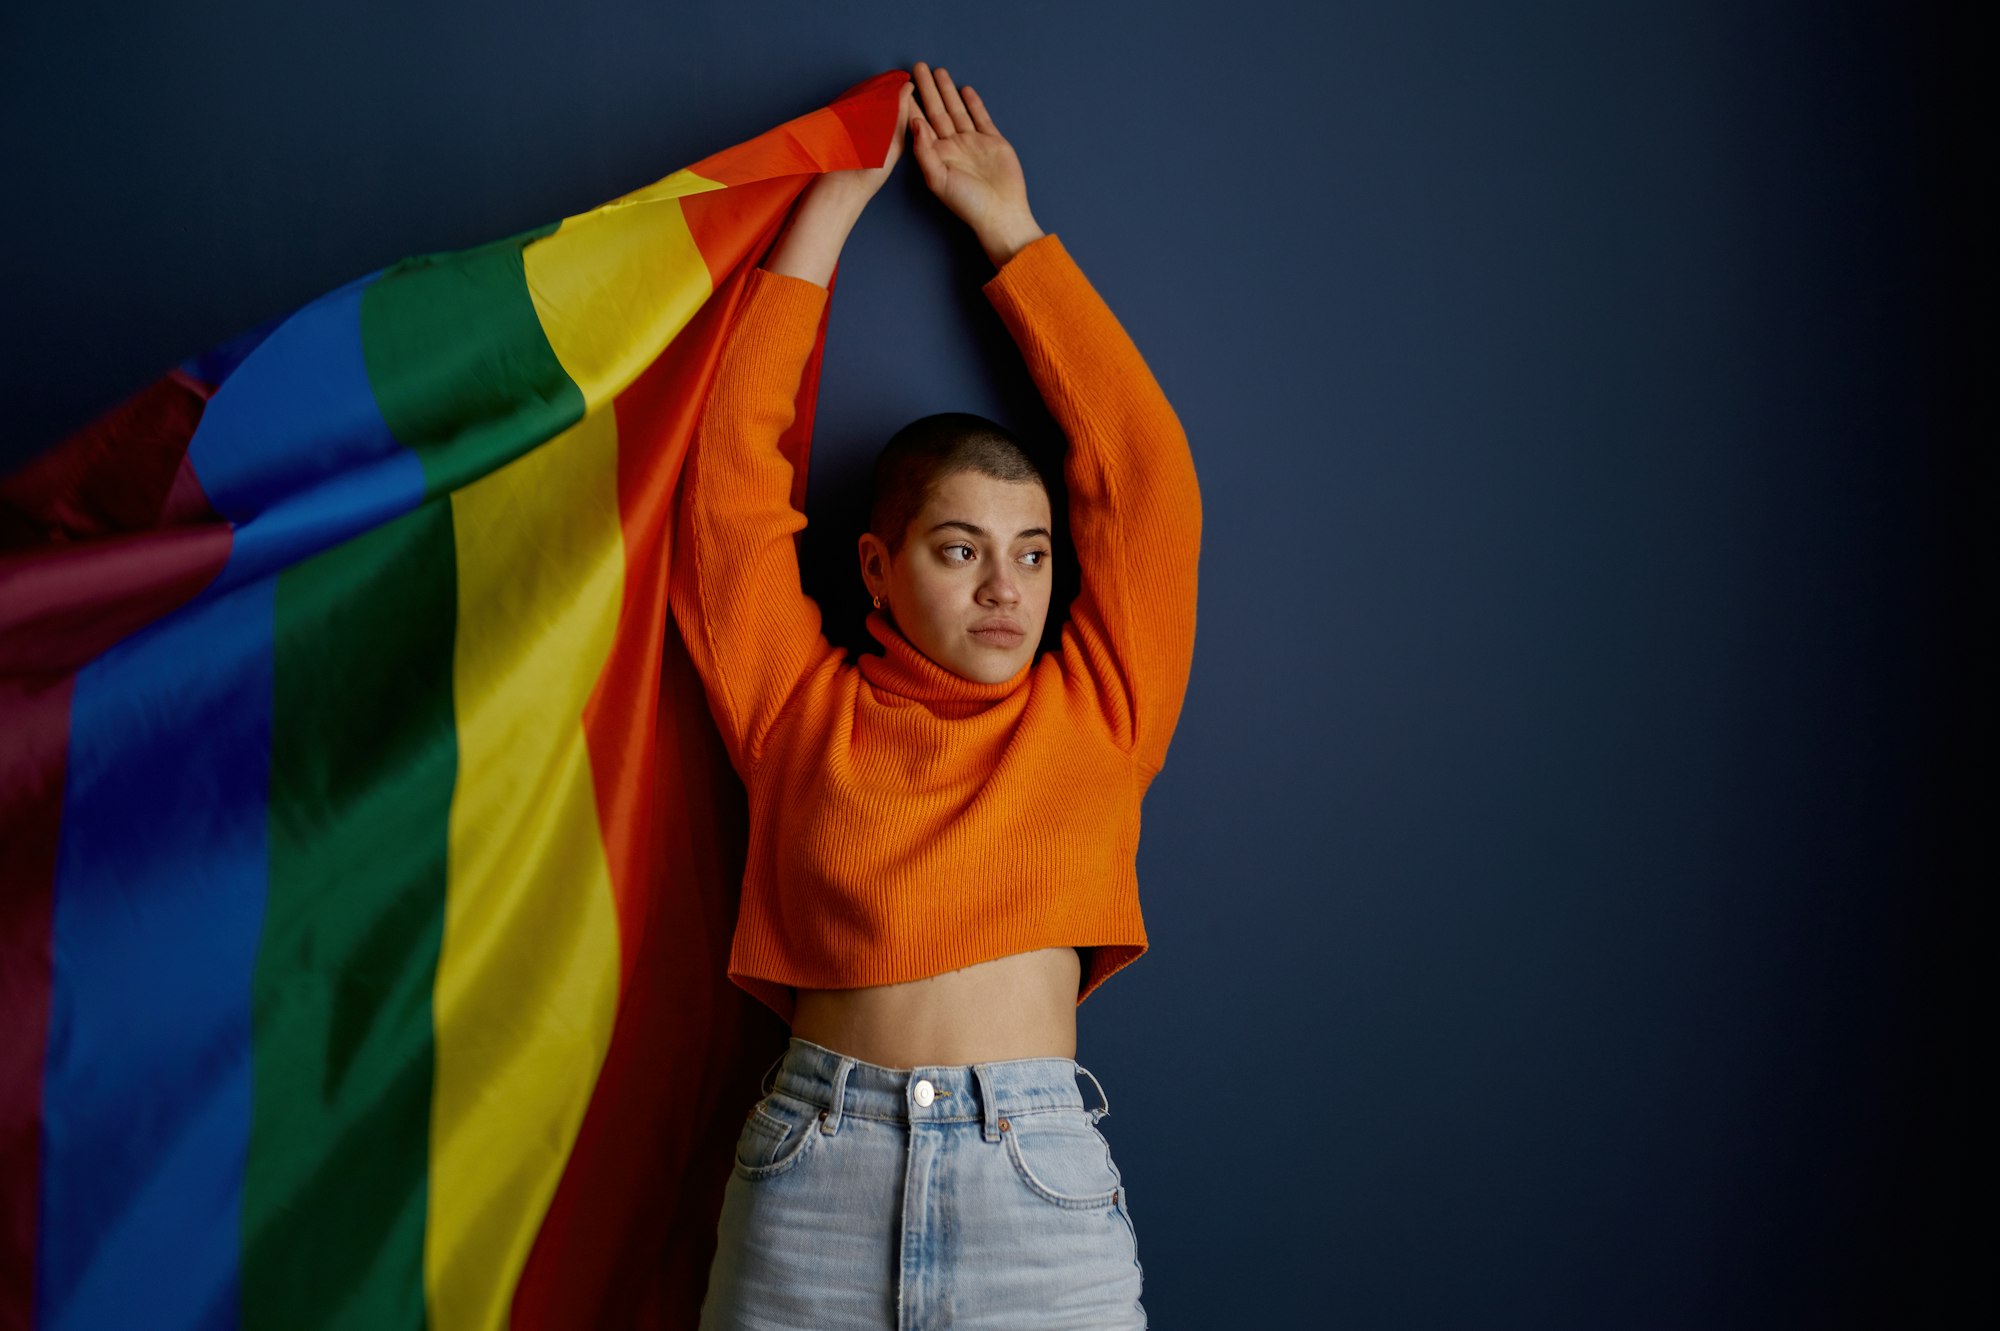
829, 1122
989, 1104
1104, 1101
764, 1082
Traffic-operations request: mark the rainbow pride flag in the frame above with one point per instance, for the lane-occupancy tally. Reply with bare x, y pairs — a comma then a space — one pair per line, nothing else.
368, 858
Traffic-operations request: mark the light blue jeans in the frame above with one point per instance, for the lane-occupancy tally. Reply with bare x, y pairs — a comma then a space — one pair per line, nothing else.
869, 1198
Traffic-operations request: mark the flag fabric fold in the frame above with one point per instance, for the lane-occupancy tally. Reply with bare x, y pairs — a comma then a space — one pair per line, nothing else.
367, 853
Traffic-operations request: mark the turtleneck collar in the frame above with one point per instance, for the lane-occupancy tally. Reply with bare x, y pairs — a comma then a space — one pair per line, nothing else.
907, 672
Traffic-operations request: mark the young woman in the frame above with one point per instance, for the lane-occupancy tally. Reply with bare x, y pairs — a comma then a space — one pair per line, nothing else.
943, 836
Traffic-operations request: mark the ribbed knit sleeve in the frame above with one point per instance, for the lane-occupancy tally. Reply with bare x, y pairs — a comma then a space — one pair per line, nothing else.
751, 631
1135, 504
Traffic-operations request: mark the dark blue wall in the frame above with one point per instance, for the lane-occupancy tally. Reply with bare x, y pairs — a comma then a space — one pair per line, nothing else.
1547, 880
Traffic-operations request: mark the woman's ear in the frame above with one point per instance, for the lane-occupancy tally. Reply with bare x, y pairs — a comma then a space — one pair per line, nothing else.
874, 564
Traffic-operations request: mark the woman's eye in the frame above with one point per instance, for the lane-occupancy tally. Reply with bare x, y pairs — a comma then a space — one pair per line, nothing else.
1041, 557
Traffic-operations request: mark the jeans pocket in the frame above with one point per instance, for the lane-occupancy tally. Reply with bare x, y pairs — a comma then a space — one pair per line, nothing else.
1062, 1158
776, 1135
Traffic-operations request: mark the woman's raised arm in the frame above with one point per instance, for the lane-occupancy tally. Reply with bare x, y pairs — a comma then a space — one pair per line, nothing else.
831, 205
750, 629
1135, 502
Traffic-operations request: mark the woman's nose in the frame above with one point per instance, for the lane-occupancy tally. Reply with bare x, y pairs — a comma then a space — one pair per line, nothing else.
1001, 587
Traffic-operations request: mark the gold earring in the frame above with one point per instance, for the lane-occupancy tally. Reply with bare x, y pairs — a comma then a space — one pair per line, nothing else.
878, 603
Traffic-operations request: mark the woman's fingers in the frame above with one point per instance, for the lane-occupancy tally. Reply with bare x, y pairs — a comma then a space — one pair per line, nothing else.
923, 144
954, 105
933, 103
977, 105
905, 112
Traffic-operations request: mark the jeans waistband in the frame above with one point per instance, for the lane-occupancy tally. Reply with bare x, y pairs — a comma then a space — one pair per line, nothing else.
842, 1085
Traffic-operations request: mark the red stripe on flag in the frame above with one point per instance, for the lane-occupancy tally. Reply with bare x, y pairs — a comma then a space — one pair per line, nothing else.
34, 762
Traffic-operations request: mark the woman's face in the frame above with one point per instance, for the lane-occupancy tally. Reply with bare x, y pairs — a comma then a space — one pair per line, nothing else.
977, 556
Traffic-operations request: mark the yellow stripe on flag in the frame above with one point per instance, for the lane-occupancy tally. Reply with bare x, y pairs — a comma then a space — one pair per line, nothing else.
614, 285
526, 988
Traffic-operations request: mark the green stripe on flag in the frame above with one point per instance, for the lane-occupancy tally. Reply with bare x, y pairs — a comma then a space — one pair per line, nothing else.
364, 756
458, 363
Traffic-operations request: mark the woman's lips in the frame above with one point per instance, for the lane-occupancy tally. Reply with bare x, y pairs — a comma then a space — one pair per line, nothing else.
999, 636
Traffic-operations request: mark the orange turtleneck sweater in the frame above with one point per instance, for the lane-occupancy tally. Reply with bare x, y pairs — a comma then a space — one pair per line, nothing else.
904, 820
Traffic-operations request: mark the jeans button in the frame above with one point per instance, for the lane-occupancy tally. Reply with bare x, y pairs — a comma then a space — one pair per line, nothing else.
925, 1091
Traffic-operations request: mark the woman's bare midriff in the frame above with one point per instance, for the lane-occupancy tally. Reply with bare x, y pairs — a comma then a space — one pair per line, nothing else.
1022, 1006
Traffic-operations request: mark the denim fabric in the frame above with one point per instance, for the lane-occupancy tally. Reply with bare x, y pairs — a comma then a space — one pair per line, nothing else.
856, 1206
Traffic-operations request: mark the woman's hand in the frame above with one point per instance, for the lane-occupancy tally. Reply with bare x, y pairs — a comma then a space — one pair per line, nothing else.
969, 164
829, 208
859, 186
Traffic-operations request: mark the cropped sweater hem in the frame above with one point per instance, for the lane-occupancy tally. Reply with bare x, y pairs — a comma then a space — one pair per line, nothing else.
779, 992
